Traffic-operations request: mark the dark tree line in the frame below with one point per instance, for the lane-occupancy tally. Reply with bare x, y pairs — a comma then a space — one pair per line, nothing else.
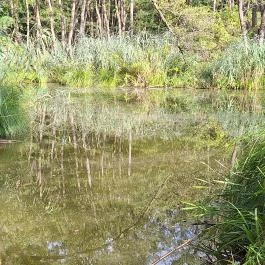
65, 20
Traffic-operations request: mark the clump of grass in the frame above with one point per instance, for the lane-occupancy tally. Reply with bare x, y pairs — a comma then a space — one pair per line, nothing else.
241, 66
238, 213
20, 65
12, 113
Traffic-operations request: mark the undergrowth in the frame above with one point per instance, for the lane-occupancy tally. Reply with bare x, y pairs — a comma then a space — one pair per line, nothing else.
240, 66
236, 213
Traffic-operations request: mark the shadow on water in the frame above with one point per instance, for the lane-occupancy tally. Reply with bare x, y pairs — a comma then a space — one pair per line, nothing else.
99, 184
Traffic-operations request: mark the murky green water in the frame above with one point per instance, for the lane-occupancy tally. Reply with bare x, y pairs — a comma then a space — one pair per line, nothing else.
104, 183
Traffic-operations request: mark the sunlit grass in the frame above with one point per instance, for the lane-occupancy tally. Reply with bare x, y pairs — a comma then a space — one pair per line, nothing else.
241, 66
237, 211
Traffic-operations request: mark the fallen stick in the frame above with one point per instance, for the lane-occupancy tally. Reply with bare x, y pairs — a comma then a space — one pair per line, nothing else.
187, 242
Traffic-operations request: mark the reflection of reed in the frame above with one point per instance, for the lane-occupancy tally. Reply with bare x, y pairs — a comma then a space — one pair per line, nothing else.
120, 159
102, 163
42, 122
53, 137
62, 169
130, 154
75, 150
89, 180
39, 174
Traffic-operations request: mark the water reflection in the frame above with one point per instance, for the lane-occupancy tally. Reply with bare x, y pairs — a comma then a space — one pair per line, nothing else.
73, 195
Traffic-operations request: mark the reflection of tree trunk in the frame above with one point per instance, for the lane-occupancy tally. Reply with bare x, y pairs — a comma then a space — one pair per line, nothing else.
75, 150
51, 20
39, 174
234, 155
120, 159
102, 163
62, 169
42, 123
63, 23
89, 179
130, 154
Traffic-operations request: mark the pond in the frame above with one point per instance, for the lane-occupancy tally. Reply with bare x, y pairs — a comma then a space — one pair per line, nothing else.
99, 182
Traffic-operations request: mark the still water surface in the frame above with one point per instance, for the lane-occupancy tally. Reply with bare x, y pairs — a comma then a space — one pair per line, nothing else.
101, 190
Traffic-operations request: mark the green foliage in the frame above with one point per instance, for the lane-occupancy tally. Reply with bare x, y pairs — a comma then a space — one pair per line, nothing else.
12, 112
5, 22
241, 66
198, 28
238, 212
141, 61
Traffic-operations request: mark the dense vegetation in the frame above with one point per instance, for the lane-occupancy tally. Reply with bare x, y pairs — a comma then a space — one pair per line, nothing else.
133, 43
144, 44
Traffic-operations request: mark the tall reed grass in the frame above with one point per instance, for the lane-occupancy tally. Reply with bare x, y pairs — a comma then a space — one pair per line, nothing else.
241, 66
237, 214
143, 60
13, 118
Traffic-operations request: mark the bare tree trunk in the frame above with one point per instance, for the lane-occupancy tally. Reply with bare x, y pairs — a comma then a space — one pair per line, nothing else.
38, 21
170, 28
106, 19
214, 5
262, 25
229, 2
14, 13
63, 23
123, 16
72, 23
51, 20
132, 16
117, 7
83, 18
28, 21
254, 16
90, 19
242, 18
99, 21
